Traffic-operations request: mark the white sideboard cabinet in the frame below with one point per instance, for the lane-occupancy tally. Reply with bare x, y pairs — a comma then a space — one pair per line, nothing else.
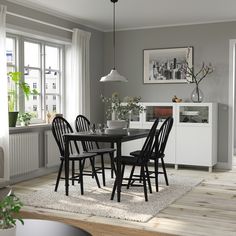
196, 134
193, 138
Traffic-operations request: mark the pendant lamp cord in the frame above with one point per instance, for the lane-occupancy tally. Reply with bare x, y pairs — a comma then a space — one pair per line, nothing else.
114, 37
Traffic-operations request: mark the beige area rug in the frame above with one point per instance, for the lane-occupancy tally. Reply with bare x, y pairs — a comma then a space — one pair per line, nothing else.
97, 201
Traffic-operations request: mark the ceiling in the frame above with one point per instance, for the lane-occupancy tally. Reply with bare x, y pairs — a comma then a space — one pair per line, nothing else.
135, 14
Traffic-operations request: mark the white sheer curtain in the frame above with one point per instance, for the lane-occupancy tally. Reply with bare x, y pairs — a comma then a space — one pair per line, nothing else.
4, 130
77, 78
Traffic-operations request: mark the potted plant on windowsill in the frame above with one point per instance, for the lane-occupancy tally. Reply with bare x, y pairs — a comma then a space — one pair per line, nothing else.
118, 111
24, 118
17, 84
9, 209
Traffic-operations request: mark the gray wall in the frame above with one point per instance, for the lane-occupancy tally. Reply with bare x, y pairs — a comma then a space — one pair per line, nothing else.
96, 45
211, 44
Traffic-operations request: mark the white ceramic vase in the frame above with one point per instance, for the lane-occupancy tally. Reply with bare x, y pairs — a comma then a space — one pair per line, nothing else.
116, 124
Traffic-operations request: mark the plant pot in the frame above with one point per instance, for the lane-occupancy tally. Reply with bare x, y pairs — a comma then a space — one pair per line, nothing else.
8, 232
116, 124
13, 118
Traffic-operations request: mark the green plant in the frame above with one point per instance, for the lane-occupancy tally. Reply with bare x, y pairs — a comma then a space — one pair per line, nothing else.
121, 108
9, 208
16, 78
25, 117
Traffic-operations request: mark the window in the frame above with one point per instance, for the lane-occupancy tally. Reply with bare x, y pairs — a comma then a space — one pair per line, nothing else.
35, 107
41, 63
54, 108
35, 85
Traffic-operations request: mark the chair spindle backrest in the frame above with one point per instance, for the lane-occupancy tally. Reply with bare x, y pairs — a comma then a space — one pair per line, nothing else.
61, 126
149, 143
82, 124
162, 136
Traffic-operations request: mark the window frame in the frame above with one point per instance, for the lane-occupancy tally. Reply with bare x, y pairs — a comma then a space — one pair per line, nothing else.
19, 66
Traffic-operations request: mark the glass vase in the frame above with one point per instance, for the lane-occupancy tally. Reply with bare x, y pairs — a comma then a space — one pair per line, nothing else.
197, 95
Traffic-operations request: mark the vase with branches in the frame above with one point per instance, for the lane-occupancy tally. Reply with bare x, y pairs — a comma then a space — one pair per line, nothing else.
197, 77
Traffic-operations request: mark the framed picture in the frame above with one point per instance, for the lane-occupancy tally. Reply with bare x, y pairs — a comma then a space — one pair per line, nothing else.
166, 65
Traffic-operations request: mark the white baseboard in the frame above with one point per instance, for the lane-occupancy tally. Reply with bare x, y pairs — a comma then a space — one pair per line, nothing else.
34, 174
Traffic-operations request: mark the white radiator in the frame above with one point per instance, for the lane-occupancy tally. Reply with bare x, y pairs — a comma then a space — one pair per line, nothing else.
51, 150
24, 153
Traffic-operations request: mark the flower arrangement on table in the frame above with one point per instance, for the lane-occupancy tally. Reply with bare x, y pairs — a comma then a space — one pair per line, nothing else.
117, 108
197, 95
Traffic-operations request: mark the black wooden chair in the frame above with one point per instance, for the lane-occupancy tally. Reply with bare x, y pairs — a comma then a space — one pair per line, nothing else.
159, 150
83, 124
60, 127
140, 160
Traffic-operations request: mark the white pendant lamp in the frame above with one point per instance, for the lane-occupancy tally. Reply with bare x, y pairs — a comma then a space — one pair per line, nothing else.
113, 76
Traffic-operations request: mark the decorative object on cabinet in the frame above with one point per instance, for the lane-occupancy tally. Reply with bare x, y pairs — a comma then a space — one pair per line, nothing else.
176, 99
197, 94
121, 109
165, 65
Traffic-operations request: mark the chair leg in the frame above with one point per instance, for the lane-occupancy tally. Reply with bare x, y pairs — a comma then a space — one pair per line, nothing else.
73, 172
114, 189
131, 176
115, 183
164, 171
81, 167
144, 183
112, 164
58, 175
103, 170
94, 173
148, 179
156, 174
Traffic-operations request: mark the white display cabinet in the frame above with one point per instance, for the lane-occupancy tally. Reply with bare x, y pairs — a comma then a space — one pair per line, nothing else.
193, 138
196, 134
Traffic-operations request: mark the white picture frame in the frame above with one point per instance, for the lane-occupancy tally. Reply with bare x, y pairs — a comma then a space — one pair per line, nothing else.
165, 65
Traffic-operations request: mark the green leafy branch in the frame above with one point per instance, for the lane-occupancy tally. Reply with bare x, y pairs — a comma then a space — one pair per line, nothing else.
9, 207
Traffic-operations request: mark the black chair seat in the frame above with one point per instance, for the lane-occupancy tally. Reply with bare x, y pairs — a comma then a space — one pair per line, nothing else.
101, 150
79, 156
152, 157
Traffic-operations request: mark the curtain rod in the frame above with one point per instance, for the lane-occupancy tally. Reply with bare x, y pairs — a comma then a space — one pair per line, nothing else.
39, 21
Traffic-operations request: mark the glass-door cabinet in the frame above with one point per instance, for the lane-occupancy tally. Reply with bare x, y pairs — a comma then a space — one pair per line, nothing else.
153, 111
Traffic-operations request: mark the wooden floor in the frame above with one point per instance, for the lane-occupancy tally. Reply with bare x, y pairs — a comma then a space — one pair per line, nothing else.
209, 209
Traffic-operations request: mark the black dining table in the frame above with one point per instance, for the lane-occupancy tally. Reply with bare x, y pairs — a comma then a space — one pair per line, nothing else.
113, 137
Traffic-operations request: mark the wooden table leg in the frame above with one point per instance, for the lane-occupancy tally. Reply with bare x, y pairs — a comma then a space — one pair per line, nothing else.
118, 171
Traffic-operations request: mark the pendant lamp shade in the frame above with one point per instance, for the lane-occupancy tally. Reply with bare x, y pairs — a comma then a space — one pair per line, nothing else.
113, 76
